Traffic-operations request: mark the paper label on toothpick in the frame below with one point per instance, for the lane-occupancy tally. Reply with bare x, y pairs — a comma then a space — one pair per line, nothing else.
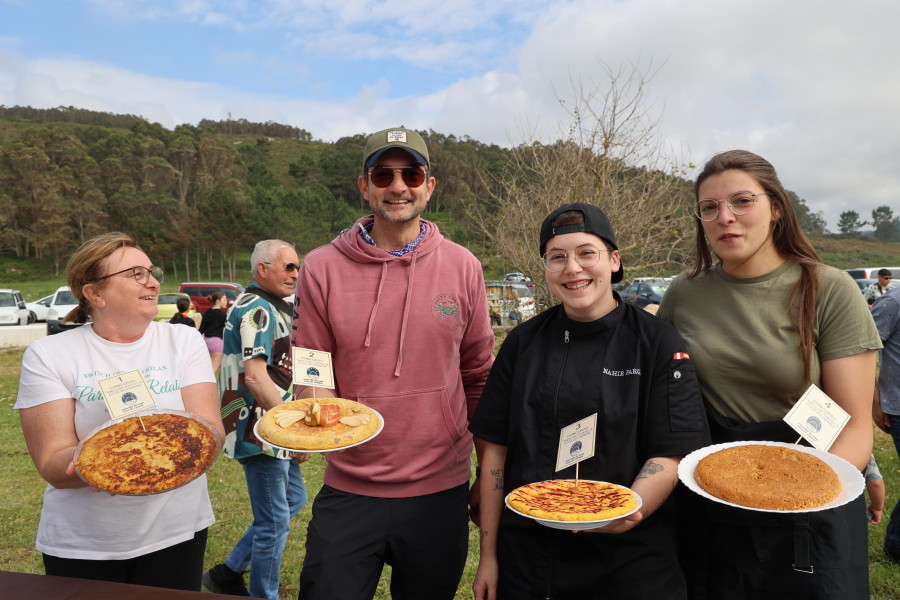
312, 367
126, 393
576, 442
817, 418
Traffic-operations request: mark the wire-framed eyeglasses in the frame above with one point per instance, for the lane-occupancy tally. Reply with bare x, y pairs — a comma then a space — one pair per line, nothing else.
140, 274
739, 203
586, 256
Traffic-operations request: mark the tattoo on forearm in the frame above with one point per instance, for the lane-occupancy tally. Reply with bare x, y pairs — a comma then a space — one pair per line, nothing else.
498, 478
484, 534
651, 468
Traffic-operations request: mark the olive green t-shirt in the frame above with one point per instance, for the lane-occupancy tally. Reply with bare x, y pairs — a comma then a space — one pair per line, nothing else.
740, 335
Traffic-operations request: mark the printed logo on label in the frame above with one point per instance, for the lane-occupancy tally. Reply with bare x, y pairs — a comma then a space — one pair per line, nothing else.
396, 136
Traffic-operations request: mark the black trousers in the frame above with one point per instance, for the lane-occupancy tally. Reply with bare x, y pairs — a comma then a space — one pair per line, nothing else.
734, 554
177, 567
539, 563
350, 538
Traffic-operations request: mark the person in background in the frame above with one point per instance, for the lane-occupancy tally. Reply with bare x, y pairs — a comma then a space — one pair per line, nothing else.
403, 312
591, 355
876, 491
212, 326
886, 403
255, 377
761, 324
514, 316
156, 540
180, 317
880, 287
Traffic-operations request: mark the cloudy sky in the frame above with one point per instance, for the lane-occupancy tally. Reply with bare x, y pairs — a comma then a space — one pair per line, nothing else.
812, 85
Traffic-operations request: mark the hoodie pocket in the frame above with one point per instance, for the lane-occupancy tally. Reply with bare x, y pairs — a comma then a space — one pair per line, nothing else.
422, 432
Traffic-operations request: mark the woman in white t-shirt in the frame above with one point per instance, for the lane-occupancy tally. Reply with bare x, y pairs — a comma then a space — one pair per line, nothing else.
156, 540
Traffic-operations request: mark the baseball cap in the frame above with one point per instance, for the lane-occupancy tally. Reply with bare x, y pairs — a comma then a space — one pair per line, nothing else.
395, 137
595, 222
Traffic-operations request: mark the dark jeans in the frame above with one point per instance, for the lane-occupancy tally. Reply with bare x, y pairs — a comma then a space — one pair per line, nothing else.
892, 534
277, 493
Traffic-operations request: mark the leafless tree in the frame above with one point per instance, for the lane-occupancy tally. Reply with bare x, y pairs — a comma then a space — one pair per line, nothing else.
612, 156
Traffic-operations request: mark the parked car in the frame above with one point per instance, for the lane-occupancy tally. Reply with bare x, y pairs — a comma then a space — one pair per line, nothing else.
61, 304
12, 308
863, 284
37, 310
167, 308
200, 291
516, 277
642, 294
870, 273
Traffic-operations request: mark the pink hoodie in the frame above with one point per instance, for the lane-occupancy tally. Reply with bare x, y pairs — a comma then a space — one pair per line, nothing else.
409, 336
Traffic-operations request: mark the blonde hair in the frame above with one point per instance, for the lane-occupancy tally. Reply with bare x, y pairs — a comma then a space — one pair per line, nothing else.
88, 265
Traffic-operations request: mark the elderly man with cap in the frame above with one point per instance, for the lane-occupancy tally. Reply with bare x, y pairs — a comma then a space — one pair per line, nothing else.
593, 356
403, 312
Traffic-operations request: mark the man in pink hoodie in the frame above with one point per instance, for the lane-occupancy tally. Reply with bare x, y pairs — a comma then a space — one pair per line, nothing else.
403, 312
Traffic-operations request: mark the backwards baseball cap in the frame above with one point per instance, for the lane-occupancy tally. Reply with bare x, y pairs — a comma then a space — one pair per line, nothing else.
594, 222
396, 137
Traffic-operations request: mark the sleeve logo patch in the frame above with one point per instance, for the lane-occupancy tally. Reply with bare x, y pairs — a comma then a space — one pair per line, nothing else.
681, 356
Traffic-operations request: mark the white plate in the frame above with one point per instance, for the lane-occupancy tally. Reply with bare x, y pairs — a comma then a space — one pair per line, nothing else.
144, 413
577, 525
371, 437
852, 482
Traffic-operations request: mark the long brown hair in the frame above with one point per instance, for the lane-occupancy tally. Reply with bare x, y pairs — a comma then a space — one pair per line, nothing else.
789, 240
88, 265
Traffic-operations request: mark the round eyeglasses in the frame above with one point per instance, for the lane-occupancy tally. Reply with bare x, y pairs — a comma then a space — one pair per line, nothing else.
140, 274
586, 256
739, 203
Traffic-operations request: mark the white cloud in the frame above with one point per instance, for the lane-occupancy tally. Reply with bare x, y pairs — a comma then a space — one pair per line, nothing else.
810, 85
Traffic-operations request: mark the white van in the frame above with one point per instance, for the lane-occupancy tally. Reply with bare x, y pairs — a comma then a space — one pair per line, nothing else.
12, 308
870, 272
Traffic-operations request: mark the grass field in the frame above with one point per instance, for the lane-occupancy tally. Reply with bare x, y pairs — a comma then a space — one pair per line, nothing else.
20, 506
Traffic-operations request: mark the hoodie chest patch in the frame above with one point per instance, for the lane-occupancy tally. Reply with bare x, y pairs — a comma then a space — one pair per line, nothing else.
445, 309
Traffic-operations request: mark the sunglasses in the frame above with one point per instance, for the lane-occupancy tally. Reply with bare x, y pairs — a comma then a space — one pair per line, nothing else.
289, 267
382, 177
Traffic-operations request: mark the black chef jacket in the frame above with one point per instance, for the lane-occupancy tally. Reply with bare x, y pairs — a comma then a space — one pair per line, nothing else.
629, 367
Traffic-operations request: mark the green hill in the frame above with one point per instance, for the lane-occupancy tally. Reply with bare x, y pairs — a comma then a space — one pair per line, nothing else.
198, 197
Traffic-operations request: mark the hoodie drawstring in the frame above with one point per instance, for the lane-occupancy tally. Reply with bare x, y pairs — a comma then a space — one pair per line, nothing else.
375, 306
409, 286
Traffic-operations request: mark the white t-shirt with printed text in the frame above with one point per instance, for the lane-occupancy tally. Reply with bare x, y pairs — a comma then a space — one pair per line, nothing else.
83, 524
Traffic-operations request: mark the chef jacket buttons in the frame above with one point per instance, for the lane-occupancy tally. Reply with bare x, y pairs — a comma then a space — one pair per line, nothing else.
677, 374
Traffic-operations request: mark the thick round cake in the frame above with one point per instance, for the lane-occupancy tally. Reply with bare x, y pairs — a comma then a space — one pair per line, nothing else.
768, 477
318, 424
156, 453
